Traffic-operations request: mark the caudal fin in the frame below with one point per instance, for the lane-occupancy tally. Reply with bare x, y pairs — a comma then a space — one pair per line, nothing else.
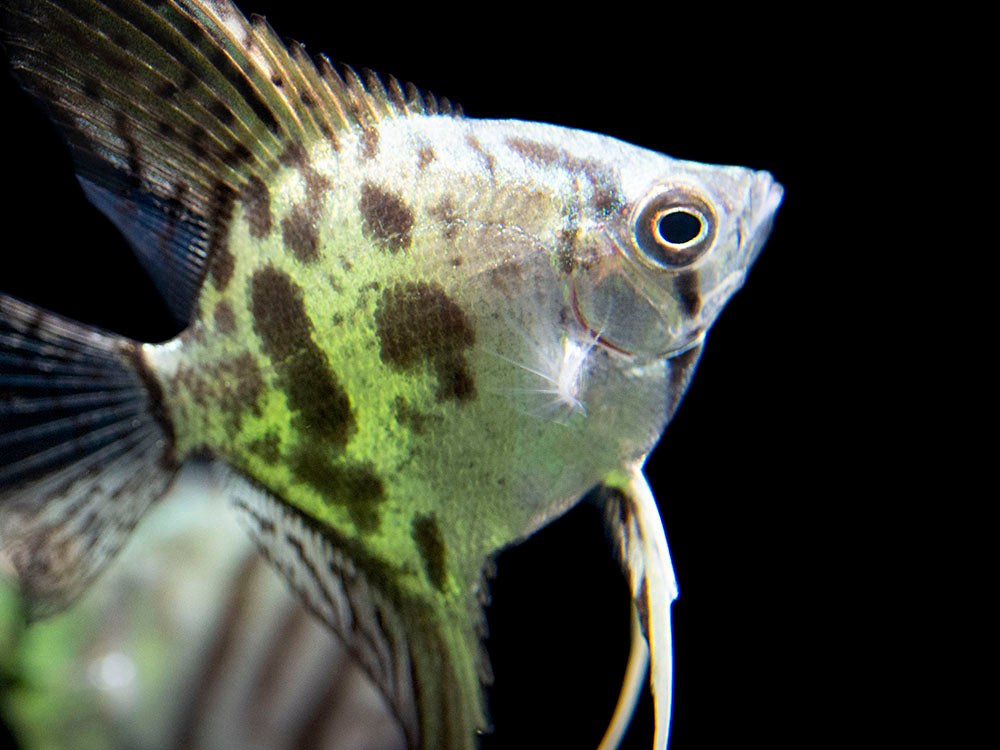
85, 449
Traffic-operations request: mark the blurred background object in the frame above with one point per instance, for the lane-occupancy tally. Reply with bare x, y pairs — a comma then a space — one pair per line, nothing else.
189, 640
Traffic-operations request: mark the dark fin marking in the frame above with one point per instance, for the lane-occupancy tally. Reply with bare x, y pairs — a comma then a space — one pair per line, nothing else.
86, 448
398, 639
166, 104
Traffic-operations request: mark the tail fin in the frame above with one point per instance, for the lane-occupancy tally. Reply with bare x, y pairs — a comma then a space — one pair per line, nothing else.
85, 449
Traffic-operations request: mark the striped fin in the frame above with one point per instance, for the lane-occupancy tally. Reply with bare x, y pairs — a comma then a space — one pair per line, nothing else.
172, 109
85, 449
404, 646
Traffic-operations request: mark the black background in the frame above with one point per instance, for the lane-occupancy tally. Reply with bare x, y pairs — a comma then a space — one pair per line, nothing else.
742, 473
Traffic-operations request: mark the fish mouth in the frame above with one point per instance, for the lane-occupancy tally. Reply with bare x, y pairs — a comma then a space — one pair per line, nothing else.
765, 197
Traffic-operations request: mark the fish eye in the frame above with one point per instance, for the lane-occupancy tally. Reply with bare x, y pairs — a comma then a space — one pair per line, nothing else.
673, 229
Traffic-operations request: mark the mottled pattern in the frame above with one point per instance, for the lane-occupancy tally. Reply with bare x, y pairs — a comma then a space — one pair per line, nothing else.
300, 228
311, 388
231, 386
418, 323
385, 218
606, 198
316, 184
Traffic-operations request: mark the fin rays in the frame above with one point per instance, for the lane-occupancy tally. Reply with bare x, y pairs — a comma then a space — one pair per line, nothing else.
170, 108
85, 451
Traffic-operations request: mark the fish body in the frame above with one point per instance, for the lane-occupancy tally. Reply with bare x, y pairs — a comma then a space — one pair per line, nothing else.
412, 338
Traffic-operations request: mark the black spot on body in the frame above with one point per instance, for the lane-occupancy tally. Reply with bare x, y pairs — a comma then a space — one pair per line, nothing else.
310, 387
224, 318
606, 197
605, 200
368, 146
353, 486
417, 323
220, 210
385, 218
566, 251
299, 233
488, 161
256, 200
687, 292
223, 264
425, 156
427, 534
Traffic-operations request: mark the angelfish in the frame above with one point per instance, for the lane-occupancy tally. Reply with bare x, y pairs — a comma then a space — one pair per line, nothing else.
411, 338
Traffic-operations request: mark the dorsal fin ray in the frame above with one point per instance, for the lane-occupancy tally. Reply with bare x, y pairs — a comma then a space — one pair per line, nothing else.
170, 108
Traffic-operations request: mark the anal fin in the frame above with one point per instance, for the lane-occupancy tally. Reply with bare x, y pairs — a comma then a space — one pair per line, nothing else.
423, 658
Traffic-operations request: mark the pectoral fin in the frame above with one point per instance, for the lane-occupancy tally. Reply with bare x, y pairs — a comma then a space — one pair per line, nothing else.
636, 530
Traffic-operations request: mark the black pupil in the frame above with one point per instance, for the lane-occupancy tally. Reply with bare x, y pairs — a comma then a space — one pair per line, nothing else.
679, 227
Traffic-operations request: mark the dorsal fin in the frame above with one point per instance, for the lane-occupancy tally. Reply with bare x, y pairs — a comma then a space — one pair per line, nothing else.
171, 108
